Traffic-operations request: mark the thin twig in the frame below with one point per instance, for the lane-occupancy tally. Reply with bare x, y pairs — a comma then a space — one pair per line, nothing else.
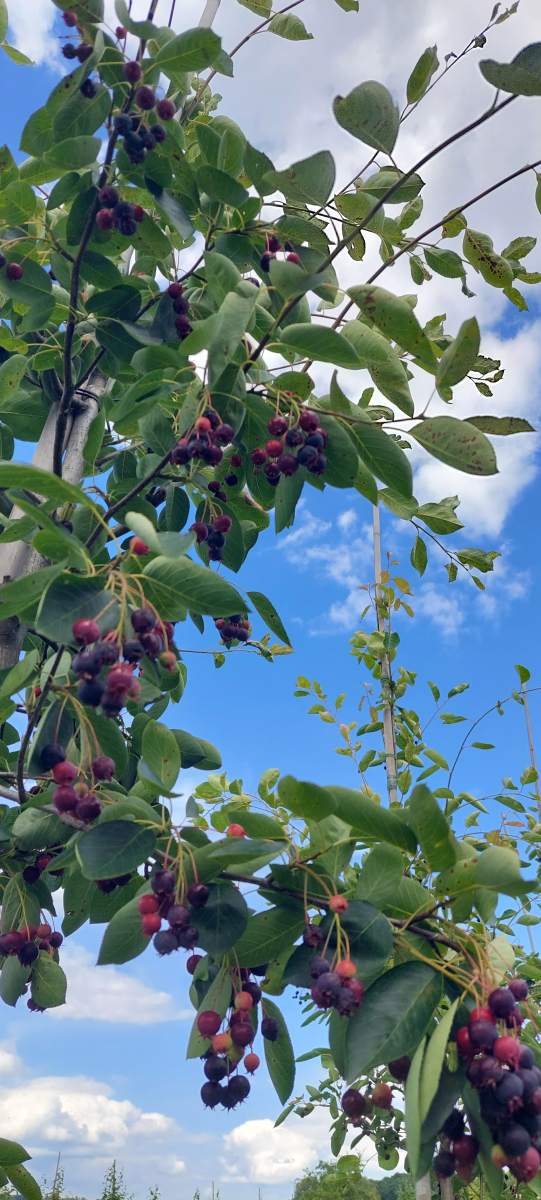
32, 722
449, 141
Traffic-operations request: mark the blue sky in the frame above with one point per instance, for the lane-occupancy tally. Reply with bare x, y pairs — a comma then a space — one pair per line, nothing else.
125, 1087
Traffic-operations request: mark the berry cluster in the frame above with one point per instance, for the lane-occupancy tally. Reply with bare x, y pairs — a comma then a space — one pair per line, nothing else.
160, 904
27, 942
358, 1105
72, 795
301, 445
213, 534
117, 685
334, 986
181, 308
224, 1086
458, 1149
32, 872
233, 629
139, 138
118, 214
508, 1081
205, 442
272, 247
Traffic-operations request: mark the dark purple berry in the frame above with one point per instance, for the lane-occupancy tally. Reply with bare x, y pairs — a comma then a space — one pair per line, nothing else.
90, 692
501, 1002
444, 1164
269, 1029
52, 754
483, 1034
215, 1068
198, 895
163, 883
211, 1094
28, 953
165, 942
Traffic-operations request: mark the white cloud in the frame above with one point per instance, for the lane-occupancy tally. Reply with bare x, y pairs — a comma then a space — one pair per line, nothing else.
75, 1109
256, 1152
10, 1063
444, 608
109, 994
347, 519
31, 28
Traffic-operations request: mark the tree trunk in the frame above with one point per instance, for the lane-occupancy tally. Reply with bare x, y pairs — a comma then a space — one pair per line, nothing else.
18, 559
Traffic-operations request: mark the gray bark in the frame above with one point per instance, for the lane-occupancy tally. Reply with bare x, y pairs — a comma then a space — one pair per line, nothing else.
18, 559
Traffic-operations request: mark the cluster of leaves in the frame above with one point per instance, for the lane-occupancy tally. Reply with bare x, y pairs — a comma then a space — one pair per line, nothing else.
88, 338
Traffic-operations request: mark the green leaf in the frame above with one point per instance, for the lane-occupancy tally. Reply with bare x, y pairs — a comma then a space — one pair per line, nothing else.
370, 114
75, 151
321, 344
501, 426
479, 251
269, 615
395, 319
43, 483
113, 848
13, 981
493, 1175
18, 676
3, 31
279, 1055
231, 322
160, 755
311, 180
223, 919
172, 586
82, 116
287, 495
394, 1016
444, 262
11, 1153
196, 752
287, 25
216, 999
141, 29
419, 555
425, 67
124, 938
499, 867
48, 982
341, 453
370, 820
412, 1113
523, 673
192, 50
268, 933
384, 457
459, 358
24, 1182
34, 829
457, 443
434, 1060
221, 186
67, 598
522, 76
432, 828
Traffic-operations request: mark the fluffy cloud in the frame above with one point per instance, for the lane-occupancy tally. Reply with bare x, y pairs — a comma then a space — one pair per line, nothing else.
109, 994
75, 1109
31, 30
10, 1063
256, 1152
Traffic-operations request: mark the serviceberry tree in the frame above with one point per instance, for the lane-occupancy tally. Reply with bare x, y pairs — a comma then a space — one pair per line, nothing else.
151, 260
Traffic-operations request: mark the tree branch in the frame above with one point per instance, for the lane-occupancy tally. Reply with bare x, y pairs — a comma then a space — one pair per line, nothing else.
449, 141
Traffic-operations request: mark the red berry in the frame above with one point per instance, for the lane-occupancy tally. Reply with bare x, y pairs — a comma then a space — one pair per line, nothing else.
399, 1068
466, 1149
277, 426
203, 425
108, 196
274, 448
273, 243
85, 631
294, 258
338, 904
221, 1042
243, 1001
145, 98
175, 291
138, 546
121, 32
201, 530
65, 799
258, 456
345, 969
463, 1042
251, 1062
44, 931
14, 271
168, 660
525, 1167
308, 421
235, 830
65, 772
166, 110
353, 1103
192, 963
480, 1014
507, 1050
208, 1023
132, 72
382, 1096
242, 1033
519, 988
105, 219
148, 904
69, 18
103, 767
138, 213
222, 524
151, 923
